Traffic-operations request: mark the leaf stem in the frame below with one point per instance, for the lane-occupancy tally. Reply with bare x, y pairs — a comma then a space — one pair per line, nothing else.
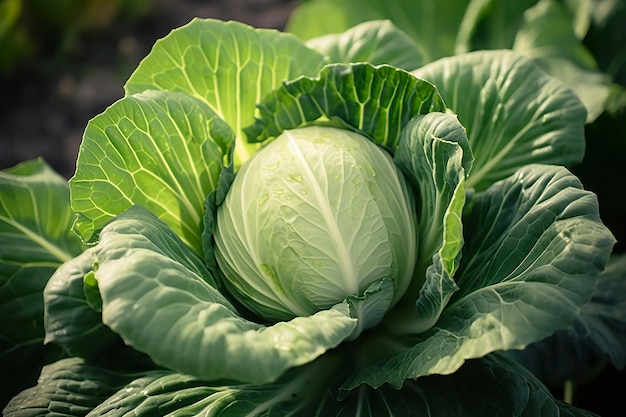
569, 389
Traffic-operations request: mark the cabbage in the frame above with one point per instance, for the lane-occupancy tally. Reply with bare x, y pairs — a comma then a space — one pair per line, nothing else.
318, 215
265, 229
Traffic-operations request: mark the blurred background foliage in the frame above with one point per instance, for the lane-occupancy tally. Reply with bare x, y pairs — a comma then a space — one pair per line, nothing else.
32, 30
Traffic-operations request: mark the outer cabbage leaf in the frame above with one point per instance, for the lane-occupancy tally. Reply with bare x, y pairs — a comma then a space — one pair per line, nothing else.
73, 323
162, 150
35, 238
186, 395
162, 301
514, 114
230, 66
597, 335
72, 387
375, 100
489, 386
435, 154
534, 244
377, 42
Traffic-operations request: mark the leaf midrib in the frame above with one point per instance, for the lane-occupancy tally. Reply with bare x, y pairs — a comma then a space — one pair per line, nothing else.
39, 240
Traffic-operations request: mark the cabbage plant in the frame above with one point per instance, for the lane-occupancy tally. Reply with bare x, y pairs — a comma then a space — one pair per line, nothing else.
252, 230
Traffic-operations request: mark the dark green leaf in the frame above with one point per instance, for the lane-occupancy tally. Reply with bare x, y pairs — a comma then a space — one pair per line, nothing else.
597, 335
490, 386
375, 100
35, 239
514, 114
73, 388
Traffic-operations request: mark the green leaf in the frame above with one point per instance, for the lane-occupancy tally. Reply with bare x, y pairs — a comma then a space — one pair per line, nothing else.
35, 238
514, 114
71, 321
377, 42
340, 16
547, 36
549, 32
533, 246
145, 269
229, 66
73, 387
375, 100
490, 386
434, 153
603, 319
546, 32
162, 150
604, 37
579, 353
432, 25
490, 24
185, 395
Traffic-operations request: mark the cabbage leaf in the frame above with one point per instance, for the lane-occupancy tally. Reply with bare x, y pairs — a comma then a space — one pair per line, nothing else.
35, 239
514, 114
154, 289
533, 247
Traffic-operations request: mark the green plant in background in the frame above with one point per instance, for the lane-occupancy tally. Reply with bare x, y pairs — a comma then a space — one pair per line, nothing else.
36, 29
272, 228
13, 42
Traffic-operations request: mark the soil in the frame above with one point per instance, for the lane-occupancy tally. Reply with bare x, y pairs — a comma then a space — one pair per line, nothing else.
46, 102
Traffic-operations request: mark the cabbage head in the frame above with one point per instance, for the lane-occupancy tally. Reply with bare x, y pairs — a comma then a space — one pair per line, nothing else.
317, 216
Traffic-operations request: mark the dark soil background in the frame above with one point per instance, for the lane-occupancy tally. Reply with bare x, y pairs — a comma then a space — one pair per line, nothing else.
47, 99
72, 75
